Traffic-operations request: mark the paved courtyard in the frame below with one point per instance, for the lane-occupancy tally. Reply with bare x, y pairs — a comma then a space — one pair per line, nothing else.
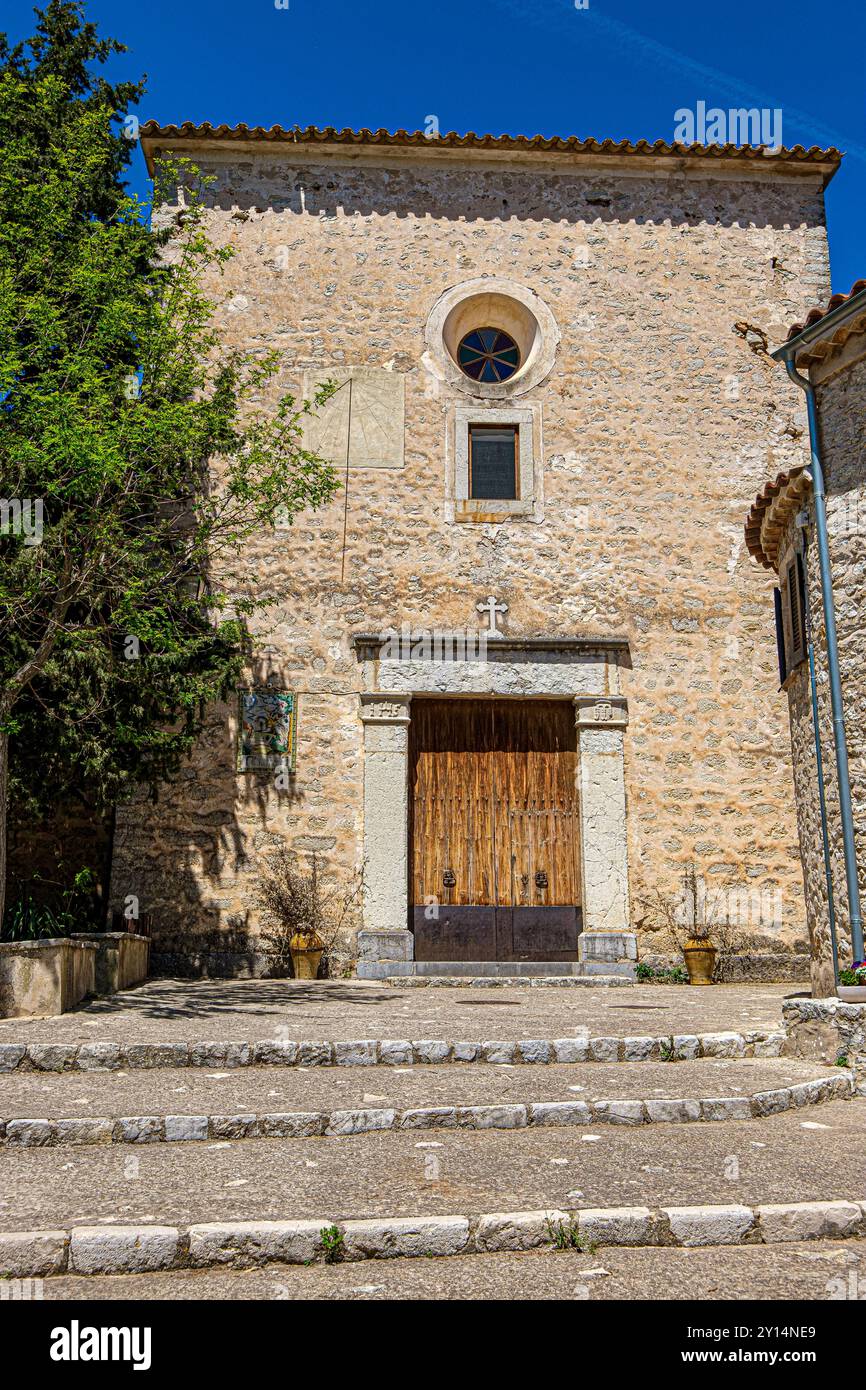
127, 1159
244, 1010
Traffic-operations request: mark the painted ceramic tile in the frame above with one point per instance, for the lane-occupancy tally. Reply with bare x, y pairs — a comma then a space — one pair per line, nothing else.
267, 735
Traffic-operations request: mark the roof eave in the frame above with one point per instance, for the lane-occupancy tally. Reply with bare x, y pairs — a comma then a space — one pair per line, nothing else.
796, 160
821, 329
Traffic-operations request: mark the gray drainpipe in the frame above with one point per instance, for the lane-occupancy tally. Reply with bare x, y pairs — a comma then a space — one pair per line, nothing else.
832, 663
819, 759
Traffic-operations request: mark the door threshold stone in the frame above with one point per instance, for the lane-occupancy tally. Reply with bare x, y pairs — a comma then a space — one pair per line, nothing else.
468, 972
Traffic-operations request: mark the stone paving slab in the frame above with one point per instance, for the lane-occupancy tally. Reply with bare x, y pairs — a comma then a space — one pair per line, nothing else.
260, 1090
814, 1270
245, 1010
773, 1160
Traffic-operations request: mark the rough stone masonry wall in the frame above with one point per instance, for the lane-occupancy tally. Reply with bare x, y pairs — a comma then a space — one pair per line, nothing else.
841, 401
807, 798
657, 418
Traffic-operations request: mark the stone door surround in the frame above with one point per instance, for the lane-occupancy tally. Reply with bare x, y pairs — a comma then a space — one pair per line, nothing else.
586, 670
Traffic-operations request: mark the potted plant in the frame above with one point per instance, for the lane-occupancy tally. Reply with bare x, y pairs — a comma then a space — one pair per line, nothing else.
852, 983
303, 919
700, 956
686, 922
698, 950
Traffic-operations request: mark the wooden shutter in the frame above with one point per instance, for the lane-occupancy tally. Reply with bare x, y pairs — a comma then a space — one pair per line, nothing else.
780, 636
796, 612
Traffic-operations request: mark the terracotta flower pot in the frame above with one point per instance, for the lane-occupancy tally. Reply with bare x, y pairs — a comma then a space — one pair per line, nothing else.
700, 956
307, 949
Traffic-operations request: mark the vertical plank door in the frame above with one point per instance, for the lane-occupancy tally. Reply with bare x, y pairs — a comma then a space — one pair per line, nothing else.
495, 853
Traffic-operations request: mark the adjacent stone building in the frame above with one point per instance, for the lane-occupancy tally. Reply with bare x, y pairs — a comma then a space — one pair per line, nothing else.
830, 347
553, 404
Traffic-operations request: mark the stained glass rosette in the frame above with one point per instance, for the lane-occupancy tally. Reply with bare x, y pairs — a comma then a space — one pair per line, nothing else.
488, 355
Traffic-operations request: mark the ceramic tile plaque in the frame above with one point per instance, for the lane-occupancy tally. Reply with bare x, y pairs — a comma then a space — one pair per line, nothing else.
267, 729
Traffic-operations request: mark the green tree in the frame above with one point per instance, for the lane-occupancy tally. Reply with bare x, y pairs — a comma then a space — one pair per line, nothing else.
134, 460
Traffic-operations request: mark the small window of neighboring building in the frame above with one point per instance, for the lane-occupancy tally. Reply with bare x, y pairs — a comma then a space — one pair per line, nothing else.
494, 454
780, 636
791, 612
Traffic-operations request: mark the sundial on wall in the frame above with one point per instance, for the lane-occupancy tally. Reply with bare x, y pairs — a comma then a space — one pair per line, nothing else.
369, 401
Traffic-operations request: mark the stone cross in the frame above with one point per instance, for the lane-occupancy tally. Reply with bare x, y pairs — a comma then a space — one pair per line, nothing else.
491, 608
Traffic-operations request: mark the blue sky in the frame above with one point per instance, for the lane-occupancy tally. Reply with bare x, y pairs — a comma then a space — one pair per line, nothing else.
620, 68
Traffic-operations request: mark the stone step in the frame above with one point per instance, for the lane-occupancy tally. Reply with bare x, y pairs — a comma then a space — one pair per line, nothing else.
366, 1052
476, 977
262, 1089
115, 1249
265, 1090
181, 1126
403, 972
775, 1159
180, 1123
816, 1270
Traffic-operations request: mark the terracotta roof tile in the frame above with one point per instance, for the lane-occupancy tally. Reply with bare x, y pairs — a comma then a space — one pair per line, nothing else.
771, 510
815, 315
818, 345
572, 144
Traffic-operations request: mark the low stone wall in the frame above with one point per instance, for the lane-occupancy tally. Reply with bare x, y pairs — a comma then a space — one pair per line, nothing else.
41, 978
779, 967
824, 1029
174, 963
765, 967
122, 959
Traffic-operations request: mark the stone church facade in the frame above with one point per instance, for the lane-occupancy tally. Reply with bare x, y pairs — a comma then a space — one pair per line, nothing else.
553, 403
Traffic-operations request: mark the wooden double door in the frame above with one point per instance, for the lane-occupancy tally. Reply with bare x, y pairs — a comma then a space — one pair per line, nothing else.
494, 830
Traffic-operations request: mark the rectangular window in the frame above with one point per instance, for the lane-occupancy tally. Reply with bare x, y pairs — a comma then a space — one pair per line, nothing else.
494, 451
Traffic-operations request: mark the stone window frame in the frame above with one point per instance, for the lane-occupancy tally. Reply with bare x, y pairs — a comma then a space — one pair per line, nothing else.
462, 508
521, 313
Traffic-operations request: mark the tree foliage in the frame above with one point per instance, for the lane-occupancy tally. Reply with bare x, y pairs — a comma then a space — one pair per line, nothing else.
129, 439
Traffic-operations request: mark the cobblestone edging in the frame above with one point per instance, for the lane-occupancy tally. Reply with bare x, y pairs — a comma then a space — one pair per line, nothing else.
366, 1052
246, 1244
305, 1124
